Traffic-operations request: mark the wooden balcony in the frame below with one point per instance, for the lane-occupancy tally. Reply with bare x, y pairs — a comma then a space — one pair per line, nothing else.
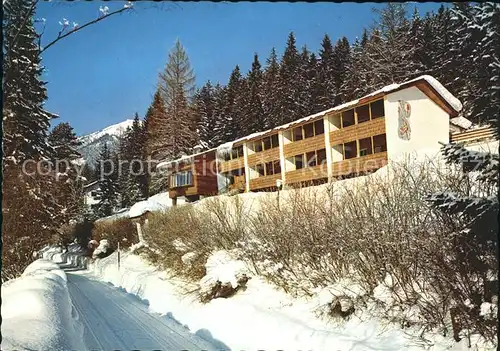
305, 145
231, 165
239, 183
307, 174
360, 164
473, 135
264, 181
264, 156
358, 131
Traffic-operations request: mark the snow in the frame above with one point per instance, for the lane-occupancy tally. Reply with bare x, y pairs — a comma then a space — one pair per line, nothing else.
277, 320
158, 202
103, 248
115, 129
461, 122
37, 312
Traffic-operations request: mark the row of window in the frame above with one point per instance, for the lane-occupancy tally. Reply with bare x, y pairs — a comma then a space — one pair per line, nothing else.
359, 114
269, 168
305, 131
309, 159
362, 147
181, 179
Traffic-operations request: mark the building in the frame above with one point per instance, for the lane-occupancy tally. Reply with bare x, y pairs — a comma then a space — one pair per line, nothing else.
91, 196
352, 139
191, 177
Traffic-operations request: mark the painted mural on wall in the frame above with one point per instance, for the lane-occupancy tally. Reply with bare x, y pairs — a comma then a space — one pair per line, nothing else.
404, 112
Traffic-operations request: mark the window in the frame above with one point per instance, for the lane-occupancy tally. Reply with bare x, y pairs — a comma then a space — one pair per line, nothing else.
335, 121
274, 140
365, 147
379, 143
181, 179
269, 168
257, 146
363, 113
321, 156
348, 118
377, 108
297, 134
308, 130
319, 127
260, 169
267, 143
234, 154
277, 167
311, 159
299, 161
350, 150
238, 172
226, 156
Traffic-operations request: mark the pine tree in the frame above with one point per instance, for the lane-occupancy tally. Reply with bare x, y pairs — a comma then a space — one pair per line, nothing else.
233, 108
288, 88
314, 85
69, 190
390, 51
205, 108
223, 131
158, 143
25, 122
341, 59
270, 91
326, 72
108, 183
359, 77
30, 212
256, 120
481, 42
176, 133
304, 81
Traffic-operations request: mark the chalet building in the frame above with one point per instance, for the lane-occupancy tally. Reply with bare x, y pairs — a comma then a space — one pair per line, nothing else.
192, 176
354, 138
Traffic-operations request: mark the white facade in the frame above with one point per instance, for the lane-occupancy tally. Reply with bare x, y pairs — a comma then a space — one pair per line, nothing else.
429, 124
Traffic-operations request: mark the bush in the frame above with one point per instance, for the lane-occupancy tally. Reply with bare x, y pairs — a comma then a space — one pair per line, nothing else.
116, 231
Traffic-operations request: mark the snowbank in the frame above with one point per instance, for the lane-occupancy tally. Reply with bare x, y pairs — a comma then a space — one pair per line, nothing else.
158, 202
259, 317
37, 313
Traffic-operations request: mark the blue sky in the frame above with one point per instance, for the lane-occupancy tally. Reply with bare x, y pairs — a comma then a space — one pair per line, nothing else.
108, 71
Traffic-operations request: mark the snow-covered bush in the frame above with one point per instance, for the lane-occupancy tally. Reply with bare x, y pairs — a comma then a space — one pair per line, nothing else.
103, 250
120, 230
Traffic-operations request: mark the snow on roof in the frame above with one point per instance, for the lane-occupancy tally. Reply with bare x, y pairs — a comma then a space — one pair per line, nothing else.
461, 122
165, 164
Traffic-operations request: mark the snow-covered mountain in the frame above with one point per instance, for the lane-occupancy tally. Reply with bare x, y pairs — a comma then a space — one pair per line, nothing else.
93, 143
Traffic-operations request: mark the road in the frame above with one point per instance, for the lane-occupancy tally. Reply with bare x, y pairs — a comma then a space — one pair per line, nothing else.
116, 320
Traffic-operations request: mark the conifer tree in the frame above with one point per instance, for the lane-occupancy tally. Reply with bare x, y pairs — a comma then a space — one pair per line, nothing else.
175, 134
341, 59
256, 120
25, 122
288, 89
270, 91
233, 108
223, 131
108, 184
205, 108
326, 72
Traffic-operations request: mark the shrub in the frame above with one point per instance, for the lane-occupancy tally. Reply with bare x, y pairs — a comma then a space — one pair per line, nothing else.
116, 231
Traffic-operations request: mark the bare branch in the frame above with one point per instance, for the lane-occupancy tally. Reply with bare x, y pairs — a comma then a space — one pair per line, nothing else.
61, 36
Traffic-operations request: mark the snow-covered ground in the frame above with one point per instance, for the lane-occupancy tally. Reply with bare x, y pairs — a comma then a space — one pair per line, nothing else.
37, 313
260, 317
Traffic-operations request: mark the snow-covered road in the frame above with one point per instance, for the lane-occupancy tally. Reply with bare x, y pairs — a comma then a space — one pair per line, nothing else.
114, 319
